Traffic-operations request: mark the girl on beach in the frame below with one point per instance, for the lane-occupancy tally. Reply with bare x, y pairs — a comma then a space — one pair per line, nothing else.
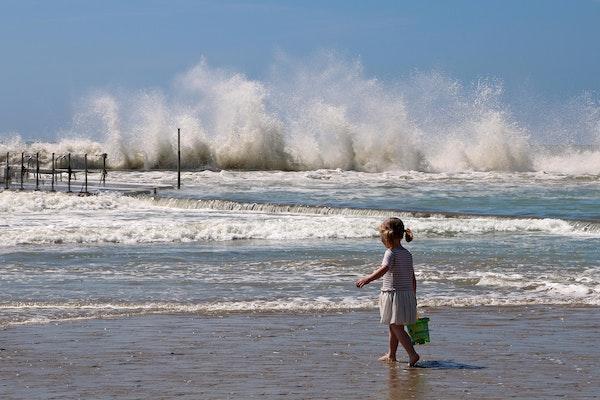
397, 300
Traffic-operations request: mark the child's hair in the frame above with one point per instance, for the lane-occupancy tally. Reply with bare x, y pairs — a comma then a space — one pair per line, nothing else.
392, 231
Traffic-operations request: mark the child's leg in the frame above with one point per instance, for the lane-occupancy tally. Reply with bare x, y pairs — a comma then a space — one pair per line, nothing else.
391, 355
404, 339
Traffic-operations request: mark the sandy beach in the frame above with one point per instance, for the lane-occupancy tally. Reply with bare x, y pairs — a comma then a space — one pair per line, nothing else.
484, 352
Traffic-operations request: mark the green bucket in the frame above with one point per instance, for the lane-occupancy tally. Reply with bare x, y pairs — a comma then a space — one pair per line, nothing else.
419, 331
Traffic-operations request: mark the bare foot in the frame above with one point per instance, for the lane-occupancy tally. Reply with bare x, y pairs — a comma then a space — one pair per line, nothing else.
386, 357
413, 360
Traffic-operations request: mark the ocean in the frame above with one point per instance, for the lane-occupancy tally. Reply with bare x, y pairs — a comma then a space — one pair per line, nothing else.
294, 242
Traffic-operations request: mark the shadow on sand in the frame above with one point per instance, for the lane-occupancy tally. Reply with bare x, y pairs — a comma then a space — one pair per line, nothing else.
445, 365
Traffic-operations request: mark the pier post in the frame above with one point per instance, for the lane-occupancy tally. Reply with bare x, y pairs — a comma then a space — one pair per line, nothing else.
52, 187
7, 172
103, 178
178, 158
69, 172
22, 170
37, 171
86, 172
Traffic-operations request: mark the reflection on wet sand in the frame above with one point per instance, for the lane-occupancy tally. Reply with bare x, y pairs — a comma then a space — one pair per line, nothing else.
406, 383
412, 383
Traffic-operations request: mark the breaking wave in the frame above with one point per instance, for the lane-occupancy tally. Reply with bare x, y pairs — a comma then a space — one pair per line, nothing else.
43, 218
327, 113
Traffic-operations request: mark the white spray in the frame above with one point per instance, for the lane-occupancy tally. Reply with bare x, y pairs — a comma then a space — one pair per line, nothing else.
320, 114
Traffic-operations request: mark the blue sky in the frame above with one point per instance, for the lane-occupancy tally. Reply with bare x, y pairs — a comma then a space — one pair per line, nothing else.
54, 52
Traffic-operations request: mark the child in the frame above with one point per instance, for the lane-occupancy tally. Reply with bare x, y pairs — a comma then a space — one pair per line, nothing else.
397, 300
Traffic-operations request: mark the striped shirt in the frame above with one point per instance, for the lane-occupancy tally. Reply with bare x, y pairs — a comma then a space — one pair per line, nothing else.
400, 273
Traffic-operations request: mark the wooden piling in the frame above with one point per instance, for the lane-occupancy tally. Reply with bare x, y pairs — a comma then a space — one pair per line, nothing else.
69, 172
37, 171
7, 172
178, 158
103, 178
22, 170
53, 173
85, 173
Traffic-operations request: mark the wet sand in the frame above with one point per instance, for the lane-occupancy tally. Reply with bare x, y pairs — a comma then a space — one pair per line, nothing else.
486, 352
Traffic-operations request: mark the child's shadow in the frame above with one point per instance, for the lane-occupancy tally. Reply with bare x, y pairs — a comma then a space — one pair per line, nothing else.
445, 365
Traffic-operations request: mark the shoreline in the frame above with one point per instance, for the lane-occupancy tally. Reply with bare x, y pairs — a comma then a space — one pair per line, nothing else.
477, 352
301, 312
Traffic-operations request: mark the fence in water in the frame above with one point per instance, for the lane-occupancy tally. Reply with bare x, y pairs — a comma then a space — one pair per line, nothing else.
55, 172
18, 171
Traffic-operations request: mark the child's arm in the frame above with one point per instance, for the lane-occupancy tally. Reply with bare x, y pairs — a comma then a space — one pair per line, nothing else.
373, 277
414, 283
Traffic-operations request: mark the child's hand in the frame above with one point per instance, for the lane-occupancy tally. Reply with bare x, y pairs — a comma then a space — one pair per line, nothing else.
408, 235
362, 282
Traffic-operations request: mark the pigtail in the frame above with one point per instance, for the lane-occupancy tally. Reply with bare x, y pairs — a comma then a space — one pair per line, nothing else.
408, 235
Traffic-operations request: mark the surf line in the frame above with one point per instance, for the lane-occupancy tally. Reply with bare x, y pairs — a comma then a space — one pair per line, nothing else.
291, 208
